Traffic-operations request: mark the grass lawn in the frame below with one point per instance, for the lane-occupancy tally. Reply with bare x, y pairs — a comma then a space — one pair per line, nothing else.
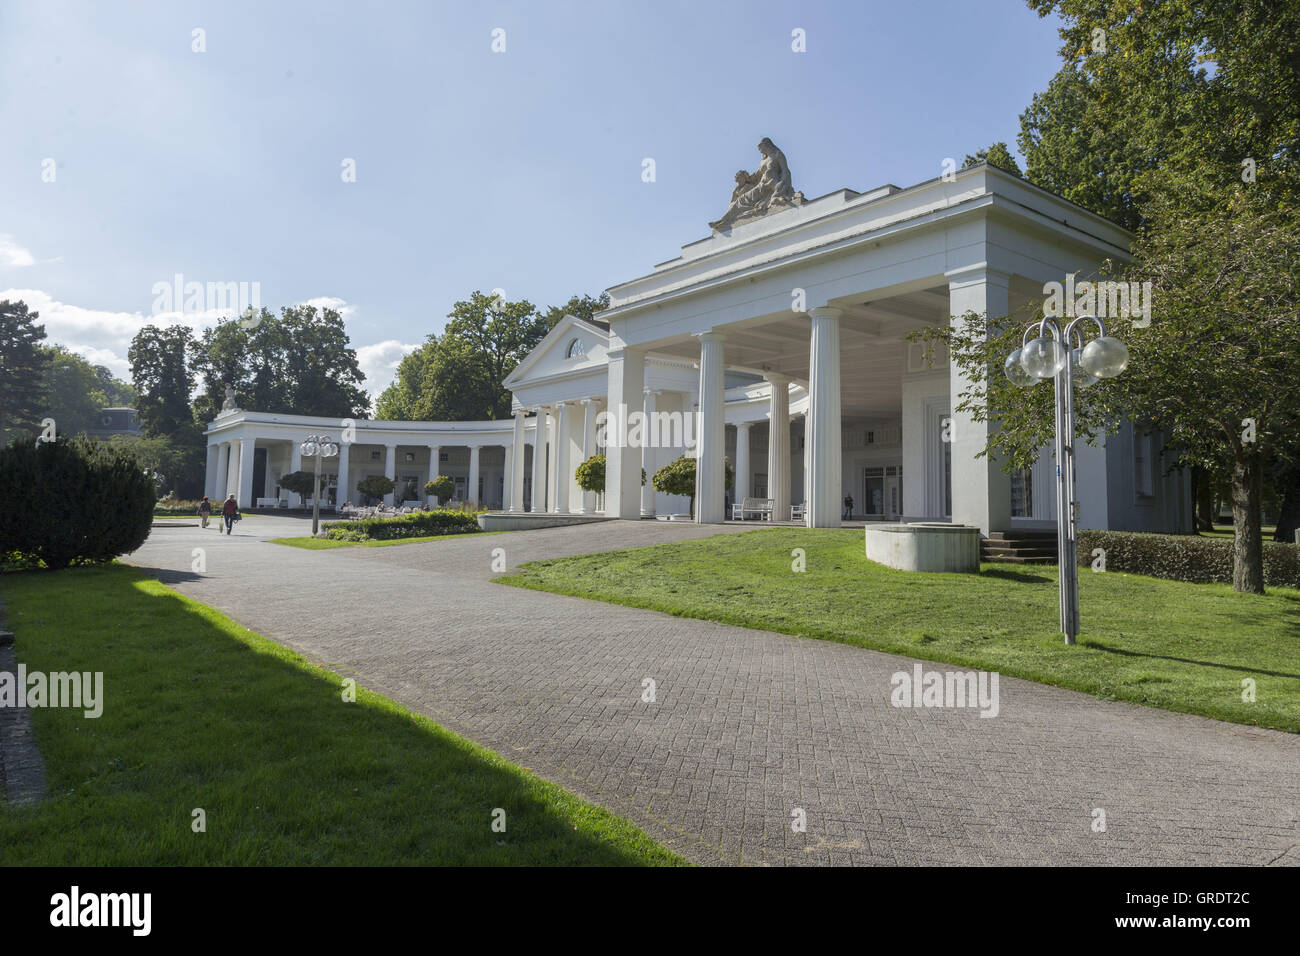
1183, 647
202, 713
325, 544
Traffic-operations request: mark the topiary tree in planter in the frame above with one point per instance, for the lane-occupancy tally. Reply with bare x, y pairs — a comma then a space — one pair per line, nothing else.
590, 475
678, 478
299, 483
376, 486
72, 502
442, 488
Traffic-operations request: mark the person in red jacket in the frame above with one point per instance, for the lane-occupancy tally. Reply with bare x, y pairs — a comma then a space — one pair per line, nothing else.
228, 511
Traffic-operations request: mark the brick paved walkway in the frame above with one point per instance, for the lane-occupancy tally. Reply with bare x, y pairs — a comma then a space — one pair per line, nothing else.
749, 725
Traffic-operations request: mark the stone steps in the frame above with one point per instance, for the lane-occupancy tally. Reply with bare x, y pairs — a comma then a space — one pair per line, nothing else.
1019, 547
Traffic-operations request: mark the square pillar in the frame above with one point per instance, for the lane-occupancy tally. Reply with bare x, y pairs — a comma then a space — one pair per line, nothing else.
295, 464
232, 471
245, 494
345, 477
210, 472
710, 466
471, 484
435, 464
648, 454
626, 371
981, 491
390, 470
515, 469
778, 446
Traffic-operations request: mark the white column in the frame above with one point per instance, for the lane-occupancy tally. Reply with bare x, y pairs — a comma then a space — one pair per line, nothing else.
561, 474
295, 464
588, 449
345, 476
626, 370
742, 463
981, 491
825, 480
804, 483
515, 471
210, 472
648, 456
223, 464
778, 446
471, 484
390, 469
539, 461
435, 463
245, 494
710, 467
232, 471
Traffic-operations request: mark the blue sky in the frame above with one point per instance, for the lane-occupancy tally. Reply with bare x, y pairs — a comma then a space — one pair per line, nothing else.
518, 170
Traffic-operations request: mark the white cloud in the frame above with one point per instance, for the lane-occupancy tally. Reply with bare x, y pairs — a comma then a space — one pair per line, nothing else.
379, 363
12, 254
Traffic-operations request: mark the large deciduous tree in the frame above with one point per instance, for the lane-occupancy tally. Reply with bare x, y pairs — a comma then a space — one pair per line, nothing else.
162, 378
299, 363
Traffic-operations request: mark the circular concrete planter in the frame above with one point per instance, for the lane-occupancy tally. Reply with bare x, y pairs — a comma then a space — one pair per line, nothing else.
925, 546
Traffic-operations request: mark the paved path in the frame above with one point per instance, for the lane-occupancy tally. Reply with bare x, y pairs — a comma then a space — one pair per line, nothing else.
749, 725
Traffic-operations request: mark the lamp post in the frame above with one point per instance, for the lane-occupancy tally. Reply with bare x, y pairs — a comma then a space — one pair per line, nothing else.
322, 446
1056, 356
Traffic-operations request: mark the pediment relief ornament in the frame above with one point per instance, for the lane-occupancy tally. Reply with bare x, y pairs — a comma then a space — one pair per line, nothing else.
766, 190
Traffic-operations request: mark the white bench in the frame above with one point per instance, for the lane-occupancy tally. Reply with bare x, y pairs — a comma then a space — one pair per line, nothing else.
797, 511
762, 507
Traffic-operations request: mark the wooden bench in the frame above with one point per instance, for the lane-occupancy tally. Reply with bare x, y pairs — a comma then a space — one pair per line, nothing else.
761, 507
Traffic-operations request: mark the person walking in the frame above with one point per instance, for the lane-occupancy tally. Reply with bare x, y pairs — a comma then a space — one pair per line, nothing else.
848, 507
205, 510
228, 511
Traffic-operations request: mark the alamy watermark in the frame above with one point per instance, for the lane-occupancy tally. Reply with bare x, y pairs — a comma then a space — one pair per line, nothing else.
177, 295
73, 689
635, 429
922, 688
1104, 299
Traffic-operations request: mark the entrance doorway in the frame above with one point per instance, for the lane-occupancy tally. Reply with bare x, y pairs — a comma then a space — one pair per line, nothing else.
884, 492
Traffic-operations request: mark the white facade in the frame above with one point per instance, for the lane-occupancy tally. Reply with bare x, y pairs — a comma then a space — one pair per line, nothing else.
780, 344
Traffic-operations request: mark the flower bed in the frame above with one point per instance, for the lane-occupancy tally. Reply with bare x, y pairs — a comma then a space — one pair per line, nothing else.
417, 524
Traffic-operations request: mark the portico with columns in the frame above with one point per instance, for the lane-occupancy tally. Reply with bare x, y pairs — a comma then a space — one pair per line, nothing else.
249, 452
780, 343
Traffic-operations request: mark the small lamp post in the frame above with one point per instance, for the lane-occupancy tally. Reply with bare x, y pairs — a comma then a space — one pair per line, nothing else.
1051, 356
321, 446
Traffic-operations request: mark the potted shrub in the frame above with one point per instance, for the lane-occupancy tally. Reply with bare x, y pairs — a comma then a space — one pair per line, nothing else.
442, 488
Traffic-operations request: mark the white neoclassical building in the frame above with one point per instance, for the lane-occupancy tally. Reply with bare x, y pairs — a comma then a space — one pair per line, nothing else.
778, 341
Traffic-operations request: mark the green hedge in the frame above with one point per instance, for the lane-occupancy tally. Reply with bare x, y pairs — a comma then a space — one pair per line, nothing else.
176, 506
417, 524
1188, 558
71, 502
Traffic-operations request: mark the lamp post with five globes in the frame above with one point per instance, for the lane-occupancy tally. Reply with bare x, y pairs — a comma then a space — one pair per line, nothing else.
1064, 357
322, 446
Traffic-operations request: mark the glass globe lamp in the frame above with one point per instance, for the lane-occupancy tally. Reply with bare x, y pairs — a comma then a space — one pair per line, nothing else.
1016, 372
1104, 357
1043, 357
1082, 377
